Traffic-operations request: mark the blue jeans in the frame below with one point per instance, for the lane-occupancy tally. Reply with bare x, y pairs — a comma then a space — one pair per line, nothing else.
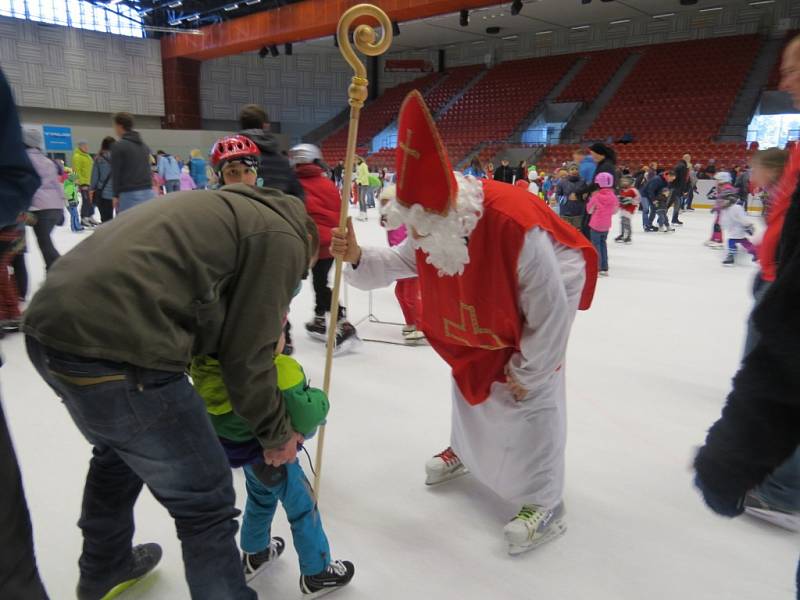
128, 200
599, 240
172, 185
291, 487
647, 208
148, 427
74, 219
781, 488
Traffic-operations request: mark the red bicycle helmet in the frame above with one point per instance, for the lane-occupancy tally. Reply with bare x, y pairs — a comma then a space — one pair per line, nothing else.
231, 148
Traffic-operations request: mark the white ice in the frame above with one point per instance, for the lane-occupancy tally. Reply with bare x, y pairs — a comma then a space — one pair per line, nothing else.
649, 367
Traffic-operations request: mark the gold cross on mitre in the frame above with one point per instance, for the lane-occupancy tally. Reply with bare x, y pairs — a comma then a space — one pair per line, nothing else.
407, 151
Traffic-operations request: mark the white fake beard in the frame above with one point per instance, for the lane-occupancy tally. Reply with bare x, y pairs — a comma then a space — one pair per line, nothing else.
443, 238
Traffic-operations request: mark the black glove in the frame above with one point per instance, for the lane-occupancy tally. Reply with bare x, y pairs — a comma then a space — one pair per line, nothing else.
749, 230
725, 506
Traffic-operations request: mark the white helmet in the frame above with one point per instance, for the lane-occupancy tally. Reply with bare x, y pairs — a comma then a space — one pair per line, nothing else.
723, 177
305, 153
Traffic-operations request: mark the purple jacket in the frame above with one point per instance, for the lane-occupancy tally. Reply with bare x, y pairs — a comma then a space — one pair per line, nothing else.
602, 206
50, 194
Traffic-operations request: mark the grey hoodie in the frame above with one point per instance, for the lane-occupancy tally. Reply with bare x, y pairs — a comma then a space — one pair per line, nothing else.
130, 164
191, 273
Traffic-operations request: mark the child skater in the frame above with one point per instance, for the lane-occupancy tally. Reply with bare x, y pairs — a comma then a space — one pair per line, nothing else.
601, 206
266, 485
628, 204
73, 198
406, 290
722, 189
734, 222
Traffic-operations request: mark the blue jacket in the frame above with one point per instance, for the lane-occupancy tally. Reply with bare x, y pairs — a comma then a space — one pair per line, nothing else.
587, 168
168, 168
197, 169
654, 187
18, 179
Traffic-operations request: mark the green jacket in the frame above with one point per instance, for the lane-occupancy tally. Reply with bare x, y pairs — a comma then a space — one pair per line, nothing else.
82, 165
71, 192
191, 273
306, 407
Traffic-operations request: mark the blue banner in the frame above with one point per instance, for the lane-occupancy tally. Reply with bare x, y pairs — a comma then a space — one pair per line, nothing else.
57, 138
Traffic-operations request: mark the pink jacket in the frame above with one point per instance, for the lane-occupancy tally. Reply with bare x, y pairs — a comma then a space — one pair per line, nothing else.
602, 206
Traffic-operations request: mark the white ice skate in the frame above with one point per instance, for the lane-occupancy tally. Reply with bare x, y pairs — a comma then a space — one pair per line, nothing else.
713, 244
756, 506
443, 467
412, 336
534, 526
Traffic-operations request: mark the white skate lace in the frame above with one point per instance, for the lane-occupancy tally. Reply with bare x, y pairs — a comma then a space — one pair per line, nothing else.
337, 567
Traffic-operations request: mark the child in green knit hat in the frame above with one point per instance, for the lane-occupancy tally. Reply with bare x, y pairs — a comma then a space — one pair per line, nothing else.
307, 408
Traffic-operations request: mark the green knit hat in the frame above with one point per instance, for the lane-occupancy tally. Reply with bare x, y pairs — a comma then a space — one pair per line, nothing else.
307, 407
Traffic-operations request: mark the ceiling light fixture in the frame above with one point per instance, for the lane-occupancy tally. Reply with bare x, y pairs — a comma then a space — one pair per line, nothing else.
510, 37
762, 2
544, 32
175, 4
664, 16
580, 27
193, 17
713, 8
478, 42
252, 2
175, 22
231, 7
620, 22
516, 7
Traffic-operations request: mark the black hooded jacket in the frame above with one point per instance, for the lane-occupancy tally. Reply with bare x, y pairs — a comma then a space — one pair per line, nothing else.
274, 170
130, 164
760, 424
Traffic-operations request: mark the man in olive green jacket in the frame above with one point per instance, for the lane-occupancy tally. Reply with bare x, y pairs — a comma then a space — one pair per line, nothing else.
112, 331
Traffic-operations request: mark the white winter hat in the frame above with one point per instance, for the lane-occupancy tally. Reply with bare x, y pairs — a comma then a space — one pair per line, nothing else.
303, 154
32, 137
723, 177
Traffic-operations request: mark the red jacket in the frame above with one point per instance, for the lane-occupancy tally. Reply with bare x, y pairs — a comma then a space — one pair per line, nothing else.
323, 203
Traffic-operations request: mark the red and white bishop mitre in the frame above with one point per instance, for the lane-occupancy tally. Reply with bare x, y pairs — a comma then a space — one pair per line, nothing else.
473, 320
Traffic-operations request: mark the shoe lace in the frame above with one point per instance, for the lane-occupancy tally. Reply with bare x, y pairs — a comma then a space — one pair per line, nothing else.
531, 515
338, 568
448, 456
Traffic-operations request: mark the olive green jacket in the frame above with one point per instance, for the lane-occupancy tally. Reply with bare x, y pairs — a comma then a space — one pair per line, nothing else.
190, 273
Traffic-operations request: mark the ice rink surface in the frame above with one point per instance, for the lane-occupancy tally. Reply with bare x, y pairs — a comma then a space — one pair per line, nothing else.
648, 370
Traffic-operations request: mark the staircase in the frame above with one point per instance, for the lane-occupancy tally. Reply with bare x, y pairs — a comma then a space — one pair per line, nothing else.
740, 115
554, 93
584, 120
458, 96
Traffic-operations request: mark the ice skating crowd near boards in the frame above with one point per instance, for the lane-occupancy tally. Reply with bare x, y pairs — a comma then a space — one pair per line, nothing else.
491, 275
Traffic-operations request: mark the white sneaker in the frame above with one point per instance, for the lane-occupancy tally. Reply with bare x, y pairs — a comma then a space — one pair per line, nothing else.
534, 526
443, 467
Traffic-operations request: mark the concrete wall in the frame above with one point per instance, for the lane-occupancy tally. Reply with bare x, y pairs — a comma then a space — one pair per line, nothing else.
60, 68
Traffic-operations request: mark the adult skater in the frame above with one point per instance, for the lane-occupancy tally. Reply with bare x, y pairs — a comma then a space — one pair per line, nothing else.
19, 577
112, 330
501, 278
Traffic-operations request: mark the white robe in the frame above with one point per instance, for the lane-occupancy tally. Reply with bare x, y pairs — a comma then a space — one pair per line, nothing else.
514, 448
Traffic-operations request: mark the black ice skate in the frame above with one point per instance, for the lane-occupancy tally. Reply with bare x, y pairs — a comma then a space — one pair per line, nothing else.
619, 239
336, 575
317, 329
257, 562
346, 337
144, 559
730, 260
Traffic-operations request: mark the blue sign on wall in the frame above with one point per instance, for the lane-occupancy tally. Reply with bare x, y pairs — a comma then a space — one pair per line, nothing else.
57, 138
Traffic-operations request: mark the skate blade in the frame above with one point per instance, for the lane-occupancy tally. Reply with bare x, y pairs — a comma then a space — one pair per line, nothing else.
790, 522
460, 472
322, 337
122, 587
557, 529
325, 591
347, 346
